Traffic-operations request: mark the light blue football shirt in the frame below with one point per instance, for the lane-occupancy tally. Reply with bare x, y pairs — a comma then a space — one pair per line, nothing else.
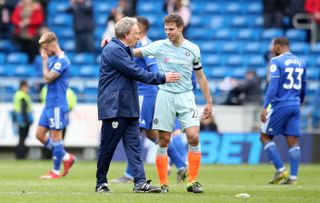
183, 59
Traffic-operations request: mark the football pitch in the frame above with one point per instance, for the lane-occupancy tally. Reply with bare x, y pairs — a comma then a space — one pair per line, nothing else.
19, 183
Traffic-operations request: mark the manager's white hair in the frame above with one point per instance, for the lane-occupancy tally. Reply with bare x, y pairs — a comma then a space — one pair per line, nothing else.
124, 26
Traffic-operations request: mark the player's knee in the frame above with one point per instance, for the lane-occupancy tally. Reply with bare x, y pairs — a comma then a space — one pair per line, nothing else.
261, 139
40, 136
163, 143
193, 140
292, 141
264, 138
164, 139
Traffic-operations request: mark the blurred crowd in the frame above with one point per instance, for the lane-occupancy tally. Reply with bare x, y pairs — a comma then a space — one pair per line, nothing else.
280, 13
23, 21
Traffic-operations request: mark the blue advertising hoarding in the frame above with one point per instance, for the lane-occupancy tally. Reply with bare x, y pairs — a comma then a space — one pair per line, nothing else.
231, 148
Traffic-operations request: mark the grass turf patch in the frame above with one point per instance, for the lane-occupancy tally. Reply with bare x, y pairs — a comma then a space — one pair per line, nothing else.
19, 183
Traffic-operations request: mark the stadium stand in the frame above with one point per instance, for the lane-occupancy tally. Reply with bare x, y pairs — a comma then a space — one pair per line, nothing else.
229, 33
83, 58
17, 58
2, 58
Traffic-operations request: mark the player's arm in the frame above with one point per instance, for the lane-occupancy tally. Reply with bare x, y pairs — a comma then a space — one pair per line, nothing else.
273, 85
130, 69
137, 52
203, 83
48, 76
303, 91
149, 50
303, 85
271, 91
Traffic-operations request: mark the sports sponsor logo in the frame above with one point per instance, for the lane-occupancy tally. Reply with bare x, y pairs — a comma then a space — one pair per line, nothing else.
177, 61
57, 66
273, 68
155, 121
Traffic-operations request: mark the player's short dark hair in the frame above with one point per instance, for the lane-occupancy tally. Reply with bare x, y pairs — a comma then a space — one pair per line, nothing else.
144, 22
282, 41
174, 18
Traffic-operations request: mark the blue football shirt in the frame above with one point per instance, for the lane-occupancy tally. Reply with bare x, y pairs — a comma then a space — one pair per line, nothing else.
56, 94
148, 63
287, 80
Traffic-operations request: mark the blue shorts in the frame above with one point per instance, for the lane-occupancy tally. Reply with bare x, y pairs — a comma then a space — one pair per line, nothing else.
283, 121
177, 125
147, 105
53, 118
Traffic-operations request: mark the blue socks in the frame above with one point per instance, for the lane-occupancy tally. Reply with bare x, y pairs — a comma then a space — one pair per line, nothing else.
294, 154
129, 171
181, 146
175, 157
48, 144
58, 153
273, 155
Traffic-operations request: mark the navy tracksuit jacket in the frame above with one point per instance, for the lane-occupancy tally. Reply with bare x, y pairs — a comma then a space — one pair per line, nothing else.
118, 107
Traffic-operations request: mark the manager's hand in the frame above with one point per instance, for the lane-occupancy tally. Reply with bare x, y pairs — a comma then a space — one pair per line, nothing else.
104, 42
172, 77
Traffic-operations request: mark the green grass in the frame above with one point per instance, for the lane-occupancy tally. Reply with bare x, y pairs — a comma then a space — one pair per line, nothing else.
19, 183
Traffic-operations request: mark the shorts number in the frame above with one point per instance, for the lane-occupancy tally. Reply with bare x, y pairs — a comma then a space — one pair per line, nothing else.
52, 123
290, 77
194, 113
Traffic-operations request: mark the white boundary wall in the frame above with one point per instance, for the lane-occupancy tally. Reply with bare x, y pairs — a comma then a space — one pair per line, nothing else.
84, 127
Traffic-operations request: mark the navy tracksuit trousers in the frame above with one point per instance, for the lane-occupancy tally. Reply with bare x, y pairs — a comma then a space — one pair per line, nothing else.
112, 131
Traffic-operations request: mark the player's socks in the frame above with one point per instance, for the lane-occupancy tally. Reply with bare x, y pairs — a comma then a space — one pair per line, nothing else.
66, 157
129, 172
194, 158
56, 172
162, 165
273, 155
294, 153
49, 144
155, 141
175, 157
58, 153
